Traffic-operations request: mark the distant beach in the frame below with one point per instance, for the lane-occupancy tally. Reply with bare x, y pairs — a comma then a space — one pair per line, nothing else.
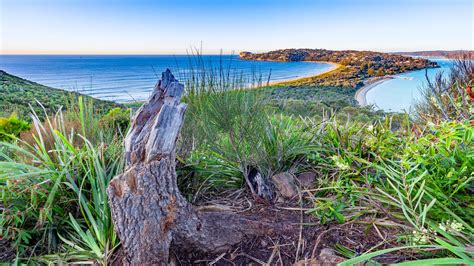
334, 66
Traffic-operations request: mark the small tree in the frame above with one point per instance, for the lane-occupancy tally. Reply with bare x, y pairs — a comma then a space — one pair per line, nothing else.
380, 73
370, 72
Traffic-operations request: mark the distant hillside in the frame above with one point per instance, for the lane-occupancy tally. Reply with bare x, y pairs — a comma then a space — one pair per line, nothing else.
16, 94
457, 54
358, 65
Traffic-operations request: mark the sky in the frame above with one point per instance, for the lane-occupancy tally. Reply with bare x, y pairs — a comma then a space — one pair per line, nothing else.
176, 26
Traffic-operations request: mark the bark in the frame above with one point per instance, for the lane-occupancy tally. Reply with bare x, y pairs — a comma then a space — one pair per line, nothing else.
150, 214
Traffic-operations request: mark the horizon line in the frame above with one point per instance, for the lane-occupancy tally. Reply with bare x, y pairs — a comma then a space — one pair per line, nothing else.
221, 53
3, 54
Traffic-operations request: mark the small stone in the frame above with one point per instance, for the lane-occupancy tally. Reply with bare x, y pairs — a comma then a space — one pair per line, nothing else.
285, 184
306, 179
328, 255
308, 262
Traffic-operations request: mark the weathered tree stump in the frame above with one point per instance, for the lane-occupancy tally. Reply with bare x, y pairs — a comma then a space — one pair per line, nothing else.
150, 215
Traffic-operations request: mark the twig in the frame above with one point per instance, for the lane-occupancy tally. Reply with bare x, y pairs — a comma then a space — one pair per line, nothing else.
378, 232
217, 259
252, 258
272, 256
300, 237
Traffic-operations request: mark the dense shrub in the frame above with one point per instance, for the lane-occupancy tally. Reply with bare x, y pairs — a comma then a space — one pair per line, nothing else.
11, 127
117, 118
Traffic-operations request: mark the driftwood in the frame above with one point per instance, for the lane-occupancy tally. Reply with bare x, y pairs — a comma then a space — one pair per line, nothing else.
150, 214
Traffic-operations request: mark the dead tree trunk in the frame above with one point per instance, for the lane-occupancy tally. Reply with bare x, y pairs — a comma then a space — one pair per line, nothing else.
150, 215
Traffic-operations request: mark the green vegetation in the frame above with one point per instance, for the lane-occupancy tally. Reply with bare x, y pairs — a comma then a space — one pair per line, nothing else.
53, 187
414, 174
17, 95
11, 127
354, 66
117, 118
448, 99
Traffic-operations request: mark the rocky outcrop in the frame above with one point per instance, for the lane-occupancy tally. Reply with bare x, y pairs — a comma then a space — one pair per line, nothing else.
357, 65
245, 55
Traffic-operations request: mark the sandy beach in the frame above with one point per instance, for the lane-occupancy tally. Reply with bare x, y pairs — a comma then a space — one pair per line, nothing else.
334, 67
361, 93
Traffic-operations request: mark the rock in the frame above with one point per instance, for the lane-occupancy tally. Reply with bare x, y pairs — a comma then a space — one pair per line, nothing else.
245, 55
285, 184
328, 256
308, 262
306, 179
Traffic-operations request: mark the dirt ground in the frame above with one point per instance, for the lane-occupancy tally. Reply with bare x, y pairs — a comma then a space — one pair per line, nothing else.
304, 244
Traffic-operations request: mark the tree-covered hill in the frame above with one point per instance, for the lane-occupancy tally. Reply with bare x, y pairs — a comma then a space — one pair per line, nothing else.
356, 66
17, 94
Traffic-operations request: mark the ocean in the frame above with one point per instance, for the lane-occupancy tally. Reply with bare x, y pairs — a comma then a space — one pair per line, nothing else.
125, 78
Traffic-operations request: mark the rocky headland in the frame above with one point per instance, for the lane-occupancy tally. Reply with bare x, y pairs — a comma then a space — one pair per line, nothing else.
357, 65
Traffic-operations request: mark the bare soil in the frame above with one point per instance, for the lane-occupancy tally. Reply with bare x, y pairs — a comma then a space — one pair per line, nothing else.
306, 240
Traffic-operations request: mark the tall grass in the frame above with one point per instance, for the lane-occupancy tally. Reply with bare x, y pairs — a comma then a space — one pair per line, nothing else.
54, 188
230, 130
422, 180
420, 176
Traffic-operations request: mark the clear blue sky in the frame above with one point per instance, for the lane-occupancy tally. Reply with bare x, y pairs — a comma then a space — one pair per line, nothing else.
173, 26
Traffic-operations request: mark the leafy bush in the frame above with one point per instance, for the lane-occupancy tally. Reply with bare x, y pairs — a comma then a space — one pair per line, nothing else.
54, 194
117, 118
422, 178
11, 127
438, 169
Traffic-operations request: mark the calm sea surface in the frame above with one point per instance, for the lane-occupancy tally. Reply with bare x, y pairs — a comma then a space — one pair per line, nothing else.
400, 93
125, 78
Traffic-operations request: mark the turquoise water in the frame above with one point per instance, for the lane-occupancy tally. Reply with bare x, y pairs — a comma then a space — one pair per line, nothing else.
399, 94
125, 78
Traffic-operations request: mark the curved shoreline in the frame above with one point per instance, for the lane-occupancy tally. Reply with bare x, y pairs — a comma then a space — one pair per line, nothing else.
361, 94
371, 83
335, 66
